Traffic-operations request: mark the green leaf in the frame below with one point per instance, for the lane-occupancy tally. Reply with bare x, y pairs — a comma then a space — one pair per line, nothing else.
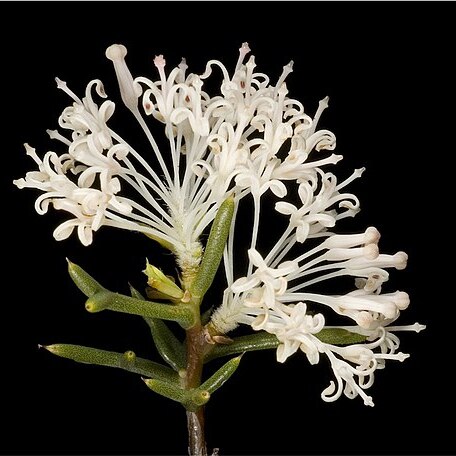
86, 283
214, 249
191, 399
206, 316
262, 341
170, 390
257, 341
168, 345
127, 361
214, 382
135, 293
339, 336
182, 313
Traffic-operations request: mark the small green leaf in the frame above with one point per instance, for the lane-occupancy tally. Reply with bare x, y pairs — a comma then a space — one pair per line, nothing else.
257, 341
127, 361
183, 313
214, 249
170, 390
168, 345
206, 316
135, 293
339, 336
87, 284
214, 382
191, 399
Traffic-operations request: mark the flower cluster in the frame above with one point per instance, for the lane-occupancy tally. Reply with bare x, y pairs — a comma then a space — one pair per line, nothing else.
249, 139
276, 298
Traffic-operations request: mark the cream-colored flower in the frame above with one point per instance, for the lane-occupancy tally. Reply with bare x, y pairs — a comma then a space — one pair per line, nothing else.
247, 138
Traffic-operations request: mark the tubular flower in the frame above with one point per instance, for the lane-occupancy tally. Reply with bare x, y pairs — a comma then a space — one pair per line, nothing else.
249, 138
276, 297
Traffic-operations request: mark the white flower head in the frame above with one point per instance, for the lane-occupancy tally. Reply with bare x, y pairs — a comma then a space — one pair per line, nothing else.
248, 138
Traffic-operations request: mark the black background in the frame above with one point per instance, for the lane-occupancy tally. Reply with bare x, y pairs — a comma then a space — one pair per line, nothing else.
385, 67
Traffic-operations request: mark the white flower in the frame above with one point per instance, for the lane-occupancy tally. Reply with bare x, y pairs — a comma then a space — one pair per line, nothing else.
273, 279
218, 145
297, 332
277, 299
249, 138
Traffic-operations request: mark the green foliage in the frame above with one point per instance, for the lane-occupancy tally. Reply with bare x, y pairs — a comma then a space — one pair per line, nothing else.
191, 399
182, 313
338, 336
214, 382
257, 341
181, 306
86, 283
262, 340
168, 345
127, 361
214, 249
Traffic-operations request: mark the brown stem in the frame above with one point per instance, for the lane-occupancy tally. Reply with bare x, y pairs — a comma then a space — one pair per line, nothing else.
195, 419
196, 441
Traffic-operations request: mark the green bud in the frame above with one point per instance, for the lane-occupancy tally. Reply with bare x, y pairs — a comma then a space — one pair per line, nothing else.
214, 249
87, 284
159, 281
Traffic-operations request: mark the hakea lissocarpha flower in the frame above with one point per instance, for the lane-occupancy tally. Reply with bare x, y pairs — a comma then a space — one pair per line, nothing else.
250, 138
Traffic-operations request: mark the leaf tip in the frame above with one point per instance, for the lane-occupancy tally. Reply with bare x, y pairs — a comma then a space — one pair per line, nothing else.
90, 306
50, 348
182, 373
205, 395
130, 356
200, 397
